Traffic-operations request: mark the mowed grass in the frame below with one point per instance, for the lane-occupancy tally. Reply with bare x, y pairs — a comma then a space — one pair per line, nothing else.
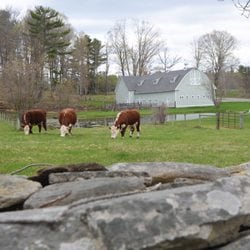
189, 141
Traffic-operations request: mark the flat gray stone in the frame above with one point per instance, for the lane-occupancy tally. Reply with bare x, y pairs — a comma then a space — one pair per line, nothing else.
14, 190
76, 176
194, 217
65, 193
169, 171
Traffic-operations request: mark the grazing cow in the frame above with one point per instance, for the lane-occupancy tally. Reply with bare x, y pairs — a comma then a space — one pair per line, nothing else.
124, 119
67, 118
33, 117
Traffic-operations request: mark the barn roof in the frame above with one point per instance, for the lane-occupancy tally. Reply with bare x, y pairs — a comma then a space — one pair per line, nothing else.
155, 83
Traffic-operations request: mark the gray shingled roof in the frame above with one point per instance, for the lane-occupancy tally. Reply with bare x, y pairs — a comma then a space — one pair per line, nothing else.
155, 83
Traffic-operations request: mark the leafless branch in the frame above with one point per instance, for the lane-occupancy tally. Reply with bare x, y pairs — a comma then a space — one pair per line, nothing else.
135, 55
167, 61
244, 7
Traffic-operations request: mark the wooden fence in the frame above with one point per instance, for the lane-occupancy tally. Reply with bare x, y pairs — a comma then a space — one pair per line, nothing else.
232, 120
11, 118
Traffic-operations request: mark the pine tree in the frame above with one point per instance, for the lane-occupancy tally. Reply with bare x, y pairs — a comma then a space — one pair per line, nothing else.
50, 41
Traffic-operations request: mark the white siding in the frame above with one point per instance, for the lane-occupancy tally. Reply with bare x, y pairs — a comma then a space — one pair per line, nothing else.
166, 98
194, 90
122, 94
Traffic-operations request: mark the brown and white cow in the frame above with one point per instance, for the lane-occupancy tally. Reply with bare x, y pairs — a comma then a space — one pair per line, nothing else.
67, 118
125, 118
33, 117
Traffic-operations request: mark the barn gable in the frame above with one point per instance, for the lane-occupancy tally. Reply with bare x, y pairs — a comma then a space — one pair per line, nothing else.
179, 88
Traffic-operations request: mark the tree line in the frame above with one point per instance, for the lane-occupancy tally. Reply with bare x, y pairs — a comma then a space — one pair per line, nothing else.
41, 55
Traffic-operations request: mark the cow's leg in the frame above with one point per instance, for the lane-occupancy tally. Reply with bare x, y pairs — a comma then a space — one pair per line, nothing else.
70, 128
39, 127
132, 129
45, 125
138, 129
30, 129
123, 130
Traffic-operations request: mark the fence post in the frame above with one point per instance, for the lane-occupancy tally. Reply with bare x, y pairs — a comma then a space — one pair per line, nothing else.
18, 126
218, 120
199, 119
241, 120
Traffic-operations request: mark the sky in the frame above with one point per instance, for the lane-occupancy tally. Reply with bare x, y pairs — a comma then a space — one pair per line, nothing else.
179, 22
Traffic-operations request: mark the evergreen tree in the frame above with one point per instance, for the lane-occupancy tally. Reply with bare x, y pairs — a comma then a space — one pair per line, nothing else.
50, 40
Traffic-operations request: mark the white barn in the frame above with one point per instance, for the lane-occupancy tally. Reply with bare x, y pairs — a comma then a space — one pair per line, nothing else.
180, 88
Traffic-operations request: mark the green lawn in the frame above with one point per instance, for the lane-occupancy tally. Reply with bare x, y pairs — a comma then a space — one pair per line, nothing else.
99, 113
189, 141
224, 107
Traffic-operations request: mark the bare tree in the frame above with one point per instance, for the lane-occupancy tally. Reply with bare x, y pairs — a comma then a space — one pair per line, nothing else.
197, 53
8, 36
19, 85
243, 6
107, 54
217, 50
80, 64
166, 60
118, 40
160, 114
135, 55
147, 46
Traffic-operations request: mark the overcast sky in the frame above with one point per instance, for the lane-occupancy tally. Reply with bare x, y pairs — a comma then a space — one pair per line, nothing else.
178, 21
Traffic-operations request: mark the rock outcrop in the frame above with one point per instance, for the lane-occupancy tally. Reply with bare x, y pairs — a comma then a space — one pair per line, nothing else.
14, 190
135, 206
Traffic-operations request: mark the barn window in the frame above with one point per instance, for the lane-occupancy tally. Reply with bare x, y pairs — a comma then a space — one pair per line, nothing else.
173, 80
156, 81
141, 82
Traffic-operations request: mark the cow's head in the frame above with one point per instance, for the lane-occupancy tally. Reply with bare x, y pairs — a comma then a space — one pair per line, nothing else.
26, 129
114, 131
64, 130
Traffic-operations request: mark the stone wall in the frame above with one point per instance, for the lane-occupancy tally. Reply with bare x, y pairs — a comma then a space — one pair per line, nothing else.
160, 205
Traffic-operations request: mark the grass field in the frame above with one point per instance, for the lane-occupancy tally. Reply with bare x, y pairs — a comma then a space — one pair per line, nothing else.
189, 141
